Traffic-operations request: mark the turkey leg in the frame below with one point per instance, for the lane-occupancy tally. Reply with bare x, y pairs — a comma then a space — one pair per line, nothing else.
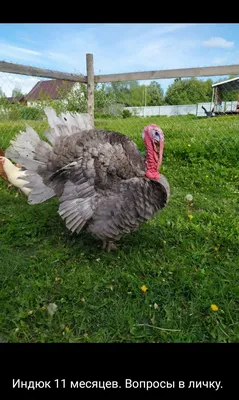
108, 246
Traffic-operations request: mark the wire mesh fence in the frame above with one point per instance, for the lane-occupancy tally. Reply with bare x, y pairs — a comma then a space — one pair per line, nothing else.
194, 114
188, 253
190, 109
22, 102
200, 123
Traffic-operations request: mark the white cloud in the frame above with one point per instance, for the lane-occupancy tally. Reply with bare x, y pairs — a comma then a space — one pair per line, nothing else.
130, 48
218, 42
142, 47
21, 49
8, 48
10, 53
68, 52
150, 51
157, 54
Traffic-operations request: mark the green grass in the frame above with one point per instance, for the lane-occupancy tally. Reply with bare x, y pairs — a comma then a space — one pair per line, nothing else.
186, 264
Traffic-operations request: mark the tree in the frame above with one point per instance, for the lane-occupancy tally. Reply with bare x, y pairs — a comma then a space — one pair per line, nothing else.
103, 97
176, 94
208, 88
17, 92
189, 91
132, 94
76, 100
1, 93
155, 95
122, 92
136, 97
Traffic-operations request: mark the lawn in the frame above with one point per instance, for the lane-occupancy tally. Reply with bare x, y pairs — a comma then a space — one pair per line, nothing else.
186, 259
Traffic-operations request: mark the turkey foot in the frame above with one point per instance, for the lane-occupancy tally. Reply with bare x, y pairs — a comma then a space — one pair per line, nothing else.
108, 246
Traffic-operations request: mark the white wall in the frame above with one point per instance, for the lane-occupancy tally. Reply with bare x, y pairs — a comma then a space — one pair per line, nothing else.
195, 109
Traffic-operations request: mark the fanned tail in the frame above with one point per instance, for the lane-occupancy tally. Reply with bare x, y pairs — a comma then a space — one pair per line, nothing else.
33, 153
65, 124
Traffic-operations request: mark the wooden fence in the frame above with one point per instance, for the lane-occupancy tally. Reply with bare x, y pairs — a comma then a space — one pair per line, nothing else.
90, 78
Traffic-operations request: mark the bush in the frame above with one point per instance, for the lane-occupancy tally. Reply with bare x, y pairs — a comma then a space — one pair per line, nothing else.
31, 113
25, 113
102, 116
114, 110
126, 114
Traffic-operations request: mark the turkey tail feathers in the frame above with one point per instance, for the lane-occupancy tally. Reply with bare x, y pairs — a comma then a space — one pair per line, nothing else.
32, 153
66, 124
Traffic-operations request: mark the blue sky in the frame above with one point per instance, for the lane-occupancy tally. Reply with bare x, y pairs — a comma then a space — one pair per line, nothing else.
116, 47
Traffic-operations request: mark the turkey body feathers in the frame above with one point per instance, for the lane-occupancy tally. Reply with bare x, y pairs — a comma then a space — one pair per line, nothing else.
122, 211
99, 177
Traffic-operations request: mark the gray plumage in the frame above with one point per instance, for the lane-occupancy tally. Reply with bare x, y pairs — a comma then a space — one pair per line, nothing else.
98, 176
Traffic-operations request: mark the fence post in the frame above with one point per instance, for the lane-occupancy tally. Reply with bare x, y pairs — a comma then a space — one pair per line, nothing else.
90, 85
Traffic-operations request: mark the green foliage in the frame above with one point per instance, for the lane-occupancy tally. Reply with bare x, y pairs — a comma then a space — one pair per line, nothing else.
111, 99
114, 110
103, 116
189, 91
126, 114
25, 113
155, 94
121, 91
4, 103
131, 94
76, 99
73, 100
103, 98
17, 92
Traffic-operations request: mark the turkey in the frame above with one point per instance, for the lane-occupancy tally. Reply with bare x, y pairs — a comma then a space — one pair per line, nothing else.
209, 113
103, 182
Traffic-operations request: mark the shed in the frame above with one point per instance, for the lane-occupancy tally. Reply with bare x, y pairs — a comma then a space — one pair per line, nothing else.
219, 89
54, 89
16, 99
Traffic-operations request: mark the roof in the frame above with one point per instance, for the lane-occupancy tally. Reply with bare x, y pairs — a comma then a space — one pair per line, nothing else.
50, 88
229, 84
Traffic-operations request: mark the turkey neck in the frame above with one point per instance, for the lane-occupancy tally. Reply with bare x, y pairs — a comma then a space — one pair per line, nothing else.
152, 159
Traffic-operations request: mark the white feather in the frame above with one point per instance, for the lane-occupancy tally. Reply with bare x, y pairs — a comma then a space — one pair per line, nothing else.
15, 176
68, 120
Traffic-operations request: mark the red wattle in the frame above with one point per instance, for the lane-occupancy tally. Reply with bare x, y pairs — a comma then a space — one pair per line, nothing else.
152, 159
152, 174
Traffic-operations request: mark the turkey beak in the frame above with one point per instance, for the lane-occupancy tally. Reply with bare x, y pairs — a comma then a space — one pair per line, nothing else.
157, 142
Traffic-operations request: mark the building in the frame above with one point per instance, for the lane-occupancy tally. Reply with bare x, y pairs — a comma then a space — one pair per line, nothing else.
54, 89
17, 99
219, 89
